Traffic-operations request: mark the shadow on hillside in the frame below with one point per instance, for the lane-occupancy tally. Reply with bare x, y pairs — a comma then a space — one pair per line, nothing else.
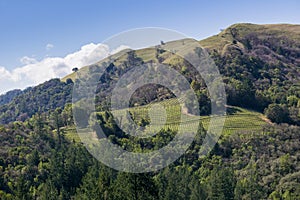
232, 110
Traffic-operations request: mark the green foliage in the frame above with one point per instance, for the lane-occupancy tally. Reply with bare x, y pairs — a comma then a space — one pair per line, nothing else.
221, 183
97, 183
42, 98
277, 113
9, 96
40, 159
241, 166
33, 159
130, 186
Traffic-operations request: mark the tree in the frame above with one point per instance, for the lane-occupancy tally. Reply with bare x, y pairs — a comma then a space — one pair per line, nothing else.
38, 123
57, 122
292, 100
48, 191
130, 186
33, 158
277, 113
21, 191
241, 93
198, 191
177, 183
97, 183
249, 187
221, 184
75, 69
67, 115
69, 81
285, 165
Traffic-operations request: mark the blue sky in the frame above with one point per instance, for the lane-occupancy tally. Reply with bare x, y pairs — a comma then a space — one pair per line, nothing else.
27, 26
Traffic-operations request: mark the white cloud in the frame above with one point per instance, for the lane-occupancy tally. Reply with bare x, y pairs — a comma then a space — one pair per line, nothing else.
28, 60
120, 48
49, 46
87, 55
4, 74
34, 72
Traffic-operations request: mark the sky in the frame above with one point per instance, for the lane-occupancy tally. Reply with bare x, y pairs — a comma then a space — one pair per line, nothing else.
43, 39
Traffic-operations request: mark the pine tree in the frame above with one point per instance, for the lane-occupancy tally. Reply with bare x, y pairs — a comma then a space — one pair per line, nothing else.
222, 184
135, 187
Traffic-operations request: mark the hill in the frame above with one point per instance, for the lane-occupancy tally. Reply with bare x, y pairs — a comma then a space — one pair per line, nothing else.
42, 158
8, 96
271, 43
42, 98
259, 65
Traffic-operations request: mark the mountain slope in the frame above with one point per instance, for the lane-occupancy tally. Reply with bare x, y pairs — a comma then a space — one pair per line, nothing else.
260, 65
244, 35
8, 96
251, 160
42, 98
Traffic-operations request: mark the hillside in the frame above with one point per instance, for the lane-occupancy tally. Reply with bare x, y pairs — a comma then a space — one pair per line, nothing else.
236, 120
259, 64
272, 43
264, 59
42, 156
42, 98
9, 96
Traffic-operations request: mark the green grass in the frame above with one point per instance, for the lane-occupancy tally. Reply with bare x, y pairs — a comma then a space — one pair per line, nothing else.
71, 76
239, 120
221, 41
242, 120
146, 54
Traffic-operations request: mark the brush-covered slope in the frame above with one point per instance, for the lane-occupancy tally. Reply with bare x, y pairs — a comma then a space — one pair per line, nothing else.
260, 65
252, 159
42, 98
9, 96
280, 39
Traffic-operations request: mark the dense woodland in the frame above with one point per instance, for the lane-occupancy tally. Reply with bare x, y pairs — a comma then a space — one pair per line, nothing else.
42, 98
39, 162
261, 71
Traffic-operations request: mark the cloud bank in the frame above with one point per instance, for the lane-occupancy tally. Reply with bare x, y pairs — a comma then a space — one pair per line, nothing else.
34, 72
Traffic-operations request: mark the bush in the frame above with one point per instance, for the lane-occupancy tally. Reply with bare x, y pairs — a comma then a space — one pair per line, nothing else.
277, 113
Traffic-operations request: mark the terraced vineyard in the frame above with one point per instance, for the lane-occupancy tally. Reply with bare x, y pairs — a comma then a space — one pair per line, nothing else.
241, 120
168, 115
237, 119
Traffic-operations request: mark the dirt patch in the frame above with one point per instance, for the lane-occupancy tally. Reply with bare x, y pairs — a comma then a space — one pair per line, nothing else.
266, 119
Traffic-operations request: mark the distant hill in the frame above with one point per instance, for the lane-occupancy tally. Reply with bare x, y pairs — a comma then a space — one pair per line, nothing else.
42, 98
7, 97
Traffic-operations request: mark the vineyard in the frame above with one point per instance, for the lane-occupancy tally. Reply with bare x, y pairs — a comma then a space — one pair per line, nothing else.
168, 114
